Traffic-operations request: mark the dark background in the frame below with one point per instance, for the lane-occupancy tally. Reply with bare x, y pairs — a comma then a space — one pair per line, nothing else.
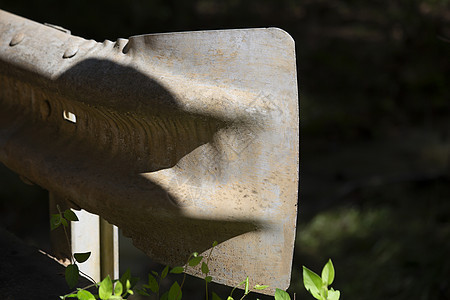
374, 80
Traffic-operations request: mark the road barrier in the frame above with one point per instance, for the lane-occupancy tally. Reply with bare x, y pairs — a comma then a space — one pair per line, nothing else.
179, 139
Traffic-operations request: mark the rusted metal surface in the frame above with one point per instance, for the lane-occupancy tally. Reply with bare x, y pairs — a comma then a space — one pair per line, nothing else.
179, 139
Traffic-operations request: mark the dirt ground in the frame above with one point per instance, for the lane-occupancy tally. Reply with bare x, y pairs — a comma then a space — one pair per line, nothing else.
28, 273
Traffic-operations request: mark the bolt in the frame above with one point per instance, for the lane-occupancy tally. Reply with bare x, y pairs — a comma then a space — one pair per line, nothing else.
70, 52
17, 39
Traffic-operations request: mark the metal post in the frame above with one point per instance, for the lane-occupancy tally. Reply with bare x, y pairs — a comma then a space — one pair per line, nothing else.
90, 234
109, 250
94, 234
86, 238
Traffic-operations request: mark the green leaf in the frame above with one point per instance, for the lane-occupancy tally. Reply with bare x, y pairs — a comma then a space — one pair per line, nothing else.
128, 281
260, 287
71, 275
64, 222
73, 295
246, 286
164, 272
106, 288
175, 292
312, 282
230, 298
281, 295
208, 279
328, 273
82, 257
214, 243
195, 261
118, 289
153, 283
143, 293
125, 276
70, 215
55, 221
205, 269
177, 270
85, 295
333, 295
155, 273
165, 296
133, 281
215, 296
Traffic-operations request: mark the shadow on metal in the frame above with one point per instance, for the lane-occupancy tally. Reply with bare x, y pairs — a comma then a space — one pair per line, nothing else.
103, 154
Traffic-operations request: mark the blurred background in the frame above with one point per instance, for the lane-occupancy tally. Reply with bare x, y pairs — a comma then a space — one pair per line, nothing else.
374, 86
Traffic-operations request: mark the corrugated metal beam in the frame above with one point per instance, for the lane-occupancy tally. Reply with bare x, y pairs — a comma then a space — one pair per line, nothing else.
179, 139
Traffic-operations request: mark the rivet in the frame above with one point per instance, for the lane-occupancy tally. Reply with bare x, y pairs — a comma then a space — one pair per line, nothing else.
70, 52
17, 39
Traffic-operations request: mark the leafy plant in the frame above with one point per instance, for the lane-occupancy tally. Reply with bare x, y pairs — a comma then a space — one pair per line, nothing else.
120, 289
107, 289
247, 290
318, 285
72, 271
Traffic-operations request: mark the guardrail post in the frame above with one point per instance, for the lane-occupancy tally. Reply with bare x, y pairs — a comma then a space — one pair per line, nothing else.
109, 250
94, 234
86, 237
90, 234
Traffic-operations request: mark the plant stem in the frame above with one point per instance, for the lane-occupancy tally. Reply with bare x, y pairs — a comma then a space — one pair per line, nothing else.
207, 263
185, 268
245, 294
72, 259
85, 288
184, 276
159, 285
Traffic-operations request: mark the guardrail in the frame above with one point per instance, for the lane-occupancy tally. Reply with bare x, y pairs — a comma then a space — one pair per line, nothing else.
179, 139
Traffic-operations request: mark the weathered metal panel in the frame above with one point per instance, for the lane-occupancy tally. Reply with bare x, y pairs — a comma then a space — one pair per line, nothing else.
179, 139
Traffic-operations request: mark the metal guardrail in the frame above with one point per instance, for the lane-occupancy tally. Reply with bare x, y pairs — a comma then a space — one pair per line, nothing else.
179, 139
